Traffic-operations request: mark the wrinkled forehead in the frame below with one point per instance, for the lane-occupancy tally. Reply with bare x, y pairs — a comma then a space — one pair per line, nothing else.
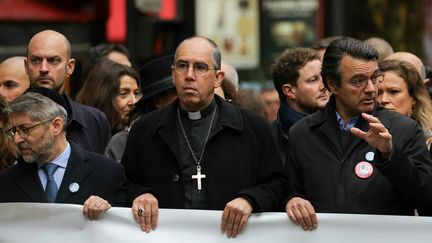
195, 50
351, 66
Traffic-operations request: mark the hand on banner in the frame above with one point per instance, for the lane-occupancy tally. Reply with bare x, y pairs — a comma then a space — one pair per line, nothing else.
94, 206
302, 213
145, 211
377, 136
235, 216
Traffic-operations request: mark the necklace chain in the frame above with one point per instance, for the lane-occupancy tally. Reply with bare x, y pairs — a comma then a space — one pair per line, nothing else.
198, 162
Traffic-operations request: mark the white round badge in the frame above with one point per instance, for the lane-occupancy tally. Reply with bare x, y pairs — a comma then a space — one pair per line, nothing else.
73, 187
370, 156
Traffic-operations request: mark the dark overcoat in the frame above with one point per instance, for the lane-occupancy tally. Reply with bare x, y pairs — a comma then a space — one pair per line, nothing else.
240, 160
94, 173
322, 169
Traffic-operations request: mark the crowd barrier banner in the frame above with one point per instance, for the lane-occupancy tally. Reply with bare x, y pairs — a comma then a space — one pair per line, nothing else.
64, 223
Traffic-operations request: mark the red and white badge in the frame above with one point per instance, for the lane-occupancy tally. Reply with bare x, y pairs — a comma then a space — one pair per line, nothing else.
364, 170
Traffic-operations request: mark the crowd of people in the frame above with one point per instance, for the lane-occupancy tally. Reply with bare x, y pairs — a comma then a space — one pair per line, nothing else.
347, 128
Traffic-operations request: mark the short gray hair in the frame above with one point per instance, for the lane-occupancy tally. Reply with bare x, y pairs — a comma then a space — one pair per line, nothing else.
38, 107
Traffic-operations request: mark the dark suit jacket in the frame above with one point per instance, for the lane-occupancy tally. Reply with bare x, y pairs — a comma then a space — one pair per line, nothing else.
322, 169
95, 174
240, 160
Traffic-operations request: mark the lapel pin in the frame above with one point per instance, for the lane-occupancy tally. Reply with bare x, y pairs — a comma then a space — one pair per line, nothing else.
73, 187
370, 156
364, 170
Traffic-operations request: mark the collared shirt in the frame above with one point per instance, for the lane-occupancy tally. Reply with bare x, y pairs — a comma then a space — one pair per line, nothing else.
61, 161
348, 125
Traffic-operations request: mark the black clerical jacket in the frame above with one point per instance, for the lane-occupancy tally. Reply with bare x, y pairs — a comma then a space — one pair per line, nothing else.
241, 160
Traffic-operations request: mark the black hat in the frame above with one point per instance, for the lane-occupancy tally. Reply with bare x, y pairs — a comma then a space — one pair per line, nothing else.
156, 76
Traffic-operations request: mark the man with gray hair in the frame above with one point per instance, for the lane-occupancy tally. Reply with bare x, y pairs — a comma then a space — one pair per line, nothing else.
203, 152
53, 170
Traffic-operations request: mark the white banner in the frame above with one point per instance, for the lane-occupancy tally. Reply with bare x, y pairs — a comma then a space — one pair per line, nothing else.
26, 222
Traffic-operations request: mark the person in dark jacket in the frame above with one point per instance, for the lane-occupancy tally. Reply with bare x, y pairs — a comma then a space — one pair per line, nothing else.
158, 92
297, 79
201, 152
52, 169
353, 156
49, 64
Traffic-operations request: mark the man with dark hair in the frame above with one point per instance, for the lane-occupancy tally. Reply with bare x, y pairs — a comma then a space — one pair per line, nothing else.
48, 64
297, 78
353, 156
200, 151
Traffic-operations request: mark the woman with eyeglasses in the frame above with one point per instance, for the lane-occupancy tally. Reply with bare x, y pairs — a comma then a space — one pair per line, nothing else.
114, 89
402, 90
8, 150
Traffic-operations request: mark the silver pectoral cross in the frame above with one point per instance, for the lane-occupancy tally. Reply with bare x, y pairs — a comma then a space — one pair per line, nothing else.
198, 177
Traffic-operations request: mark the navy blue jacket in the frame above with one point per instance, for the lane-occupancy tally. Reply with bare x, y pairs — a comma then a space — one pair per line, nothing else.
87, 126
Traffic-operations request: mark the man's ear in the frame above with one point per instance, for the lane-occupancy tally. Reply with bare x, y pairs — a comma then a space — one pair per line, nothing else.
70, 66
332, 86
25, 65
289, 91
219, 78
58, 125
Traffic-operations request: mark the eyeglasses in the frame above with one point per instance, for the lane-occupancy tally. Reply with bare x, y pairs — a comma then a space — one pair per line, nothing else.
198, 68
361, 82
23, 131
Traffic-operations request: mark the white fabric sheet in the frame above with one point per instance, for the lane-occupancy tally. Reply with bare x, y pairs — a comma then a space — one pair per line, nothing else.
30, 222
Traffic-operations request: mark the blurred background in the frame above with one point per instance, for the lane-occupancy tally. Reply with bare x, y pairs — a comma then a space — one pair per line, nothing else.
250, 33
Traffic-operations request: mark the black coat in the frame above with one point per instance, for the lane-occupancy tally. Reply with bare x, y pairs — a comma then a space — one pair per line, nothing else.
94, 173
240, 159
323, 173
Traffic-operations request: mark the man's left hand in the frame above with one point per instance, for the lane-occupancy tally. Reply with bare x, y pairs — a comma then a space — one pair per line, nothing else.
235, 216
377, 136
94, 206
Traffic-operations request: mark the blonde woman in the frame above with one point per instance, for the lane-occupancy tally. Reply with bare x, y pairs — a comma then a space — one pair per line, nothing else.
402, 90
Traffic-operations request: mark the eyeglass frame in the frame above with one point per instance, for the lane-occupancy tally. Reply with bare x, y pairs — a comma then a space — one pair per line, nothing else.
360, 81
193, 65
23, 131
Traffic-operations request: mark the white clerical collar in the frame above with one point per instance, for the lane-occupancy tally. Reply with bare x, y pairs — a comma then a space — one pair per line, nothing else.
200, 114
194, 115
